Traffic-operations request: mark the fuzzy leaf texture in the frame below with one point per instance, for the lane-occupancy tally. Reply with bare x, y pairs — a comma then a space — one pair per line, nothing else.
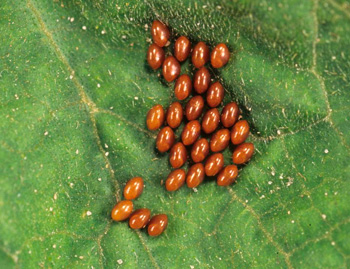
75, 89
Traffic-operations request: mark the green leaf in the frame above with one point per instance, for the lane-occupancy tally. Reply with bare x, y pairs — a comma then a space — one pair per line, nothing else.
75, 89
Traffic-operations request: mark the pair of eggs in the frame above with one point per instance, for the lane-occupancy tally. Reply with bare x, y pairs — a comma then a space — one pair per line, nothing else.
139, 218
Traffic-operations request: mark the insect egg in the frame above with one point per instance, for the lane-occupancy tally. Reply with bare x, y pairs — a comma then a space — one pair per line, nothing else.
220, 140
133, 188
160, 33
175, 180
194, 107
200, 55
227, 175
214, 164
155, 56
195, 175
165, 139
171, 68
201, 80
200, 150
174, 115
140, 218
215, 94
182, 48
240, 132
219, 56
122, 210
191, 132
243, 153
155, 117
229, 114
183, 87
178, 155
157, 224
211, 120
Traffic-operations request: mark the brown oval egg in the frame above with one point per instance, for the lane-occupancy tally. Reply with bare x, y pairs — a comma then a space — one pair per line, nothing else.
171, 68
122, 210
200, 150
155, 56
133, 188
160, 33
214, 164
239, 132
175, 180
219, 56
183, 87
140, 218
220, 140
165, 139
155, 117
182, 48
194, 107
174, 115
227, 175
178, 155
200, 54
215, 94
195, 175
190, 132
157, 224
229, 114
211, 120
201, 80
243, 153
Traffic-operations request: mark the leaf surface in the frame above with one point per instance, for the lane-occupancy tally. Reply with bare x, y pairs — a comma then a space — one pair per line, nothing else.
75, 89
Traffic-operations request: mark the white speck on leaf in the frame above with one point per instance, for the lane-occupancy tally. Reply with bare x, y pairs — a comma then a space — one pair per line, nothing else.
326, 151
99, 179
46, 133
89, 213
84, 28
54, 246
120, 261
98, 85
77, 151
324, 216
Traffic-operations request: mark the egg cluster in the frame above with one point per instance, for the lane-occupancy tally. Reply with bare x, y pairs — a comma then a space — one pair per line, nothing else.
203, 122
140, 218
206, 158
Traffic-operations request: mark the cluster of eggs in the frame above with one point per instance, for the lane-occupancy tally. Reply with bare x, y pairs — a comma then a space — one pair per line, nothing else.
194, 133
140, 218
194, 108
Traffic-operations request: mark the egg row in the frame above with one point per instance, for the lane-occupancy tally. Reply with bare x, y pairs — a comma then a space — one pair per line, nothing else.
139, 218
171, 68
